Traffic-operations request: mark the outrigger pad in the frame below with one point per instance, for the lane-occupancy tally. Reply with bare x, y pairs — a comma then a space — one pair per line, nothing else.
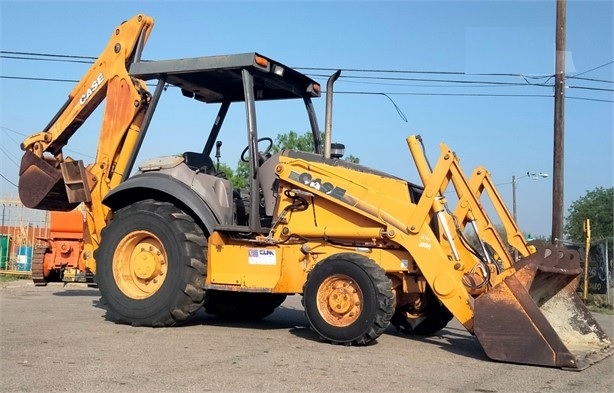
41, 185
535, 316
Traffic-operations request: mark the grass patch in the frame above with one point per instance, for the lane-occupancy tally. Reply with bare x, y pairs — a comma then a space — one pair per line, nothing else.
601, 310
599, 304
8, 277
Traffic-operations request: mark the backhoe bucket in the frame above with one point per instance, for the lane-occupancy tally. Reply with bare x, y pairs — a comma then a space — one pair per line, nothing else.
536, 317
42, 186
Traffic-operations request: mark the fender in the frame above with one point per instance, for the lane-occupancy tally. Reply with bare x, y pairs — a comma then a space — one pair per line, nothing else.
160, 187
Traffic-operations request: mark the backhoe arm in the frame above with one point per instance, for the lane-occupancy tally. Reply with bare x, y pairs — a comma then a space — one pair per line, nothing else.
50, 181
123, 48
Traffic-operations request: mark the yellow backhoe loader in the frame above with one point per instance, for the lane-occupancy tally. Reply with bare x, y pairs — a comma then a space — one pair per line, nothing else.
365, 249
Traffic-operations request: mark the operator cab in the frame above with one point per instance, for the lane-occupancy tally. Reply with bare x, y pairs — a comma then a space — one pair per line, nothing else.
242, 78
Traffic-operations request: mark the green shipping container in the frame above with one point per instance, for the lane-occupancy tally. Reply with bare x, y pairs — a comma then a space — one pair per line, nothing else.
5, 246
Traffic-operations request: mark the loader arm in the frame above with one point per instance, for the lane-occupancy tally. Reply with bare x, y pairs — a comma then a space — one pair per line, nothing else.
469, 209
523, 312
50, 181
479, 182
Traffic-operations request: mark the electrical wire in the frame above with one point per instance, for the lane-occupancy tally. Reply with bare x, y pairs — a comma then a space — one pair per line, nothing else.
38, 59
47, 55
437, 80
594, 68
25, 135
9, 156
2, 176
74, 58
590, 79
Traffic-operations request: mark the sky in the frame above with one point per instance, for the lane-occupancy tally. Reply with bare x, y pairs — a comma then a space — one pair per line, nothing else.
477, 76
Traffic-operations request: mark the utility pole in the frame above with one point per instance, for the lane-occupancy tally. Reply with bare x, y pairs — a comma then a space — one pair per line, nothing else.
559, 125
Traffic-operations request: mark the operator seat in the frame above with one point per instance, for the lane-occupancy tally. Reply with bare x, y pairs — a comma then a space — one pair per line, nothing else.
199, 162
267, 178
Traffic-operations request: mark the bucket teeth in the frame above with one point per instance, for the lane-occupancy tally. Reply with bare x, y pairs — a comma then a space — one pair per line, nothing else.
550, 258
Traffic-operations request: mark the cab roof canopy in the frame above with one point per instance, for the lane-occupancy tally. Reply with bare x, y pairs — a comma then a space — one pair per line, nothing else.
215, 79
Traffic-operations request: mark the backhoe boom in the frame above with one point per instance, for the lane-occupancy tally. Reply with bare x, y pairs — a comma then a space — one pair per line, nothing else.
50, 181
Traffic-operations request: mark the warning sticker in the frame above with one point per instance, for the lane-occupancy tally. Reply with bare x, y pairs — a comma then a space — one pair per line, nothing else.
261, 256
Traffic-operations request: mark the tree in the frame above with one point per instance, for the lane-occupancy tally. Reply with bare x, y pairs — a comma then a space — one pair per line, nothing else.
239, 177
293, 141
290, 140
598, 206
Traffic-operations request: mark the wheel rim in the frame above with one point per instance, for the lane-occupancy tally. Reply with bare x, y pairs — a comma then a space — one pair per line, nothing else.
339, 300
139, 264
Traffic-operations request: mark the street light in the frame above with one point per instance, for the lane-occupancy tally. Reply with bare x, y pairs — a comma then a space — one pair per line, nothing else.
534, 176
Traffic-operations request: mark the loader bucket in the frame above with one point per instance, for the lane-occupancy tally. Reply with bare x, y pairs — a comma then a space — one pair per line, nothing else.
536, 317
41, 185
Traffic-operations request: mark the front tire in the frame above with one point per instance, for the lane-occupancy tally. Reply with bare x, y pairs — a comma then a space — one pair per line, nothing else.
151, 265
348, 299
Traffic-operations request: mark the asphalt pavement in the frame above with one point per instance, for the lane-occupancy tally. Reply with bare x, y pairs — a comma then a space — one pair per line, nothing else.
56, 339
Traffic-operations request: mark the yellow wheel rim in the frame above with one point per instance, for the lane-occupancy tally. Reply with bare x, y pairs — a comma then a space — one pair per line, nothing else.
339, 300
139, 264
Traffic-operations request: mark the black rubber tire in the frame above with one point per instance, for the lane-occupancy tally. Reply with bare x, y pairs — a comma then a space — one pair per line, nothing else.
377, 299
242, 306
434, 318
181, 294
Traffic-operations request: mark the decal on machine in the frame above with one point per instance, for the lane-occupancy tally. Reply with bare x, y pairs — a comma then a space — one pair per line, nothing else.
92, 88
261, 256
317, 184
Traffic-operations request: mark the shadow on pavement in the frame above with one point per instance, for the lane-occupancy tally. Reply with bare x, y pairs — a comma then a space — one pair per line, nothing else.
450, 340
77, 292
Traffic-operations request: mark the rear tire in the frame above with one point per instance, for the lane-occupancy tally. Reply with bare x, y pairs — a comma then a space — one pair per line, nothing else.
348, 299
151, 265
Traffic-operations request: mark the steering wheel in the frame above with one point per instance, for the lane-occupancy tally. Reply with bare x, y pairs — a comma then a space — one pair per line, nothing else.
261, 155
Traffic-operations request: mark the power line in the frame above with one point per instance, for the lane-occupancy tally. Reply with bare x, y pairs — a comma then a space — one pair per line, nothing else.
374, 93
9, 156
590, 79
434, 80
589, 88
470, 83
27, 78
39, 59
25, 135
2, 176
446, 94
47, 55
594, 68
588, 99
422, 72
18, 55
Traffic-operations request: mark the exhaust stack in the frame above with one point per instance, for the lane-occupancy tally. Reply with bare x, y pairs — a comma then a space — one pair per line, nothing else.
328, 121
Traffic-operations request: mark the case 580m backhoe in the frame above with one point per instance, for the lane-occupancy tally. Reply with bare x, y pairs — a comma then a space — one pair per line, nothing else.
364, 249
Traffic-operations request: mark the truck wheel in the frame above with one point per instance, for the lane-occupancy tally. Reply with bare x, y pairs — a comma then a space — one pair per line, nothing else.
151, 265
348, 299
432, 319
242, 306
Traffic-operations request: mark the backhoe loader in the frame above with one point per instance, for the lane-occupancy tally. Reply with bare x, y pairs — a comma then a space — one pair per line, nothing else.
364, 249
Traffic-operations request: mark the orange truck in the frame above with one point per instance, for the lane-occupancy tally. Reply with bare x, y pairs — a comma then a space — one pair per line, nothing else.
59, 257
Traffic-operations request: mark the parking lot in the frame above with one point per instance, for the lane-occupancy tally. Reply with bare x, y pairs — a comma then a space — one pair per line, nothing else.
56, 338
